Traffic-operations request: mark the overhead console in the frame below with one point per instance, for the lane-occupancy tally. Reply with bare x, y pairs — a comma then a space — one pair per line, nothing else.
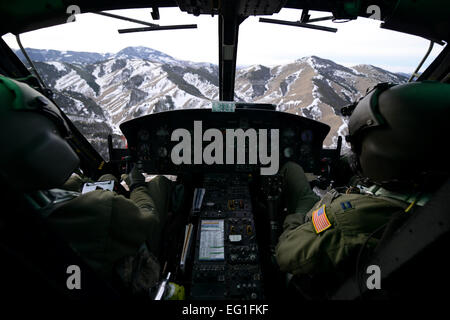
199, 140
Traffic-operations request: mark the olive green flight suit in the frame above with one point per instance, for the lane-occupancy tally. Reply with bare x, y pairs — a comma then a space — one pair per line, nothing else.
105, 227
303, 251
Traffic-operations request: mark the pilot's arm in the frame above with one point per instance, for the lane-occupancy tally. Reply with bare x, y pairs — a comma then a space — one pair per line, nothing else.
312, 248
152, 200
108, 230
301, 250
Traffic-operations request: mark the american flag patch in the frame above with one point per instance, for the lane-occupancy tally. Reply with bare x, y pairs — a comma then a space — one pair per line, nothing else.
320, 220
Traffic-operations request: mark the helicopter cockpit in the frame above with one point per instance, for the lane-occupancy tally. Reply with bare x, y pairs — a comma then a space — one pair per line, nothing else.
220, 245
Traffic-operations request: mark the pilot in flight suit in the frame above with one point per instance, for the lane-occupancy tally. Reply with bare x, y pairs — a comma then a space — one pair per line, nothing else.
390, 133
109, 230
314, 247
113, 234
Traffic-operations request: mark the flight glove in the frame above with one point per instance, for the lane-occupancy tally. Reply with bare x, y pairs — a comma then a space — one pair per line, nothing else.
134, 179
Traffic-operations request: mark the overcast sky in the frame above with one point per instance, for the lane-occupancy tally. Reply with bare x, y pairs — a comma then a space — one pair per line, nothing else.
357, 42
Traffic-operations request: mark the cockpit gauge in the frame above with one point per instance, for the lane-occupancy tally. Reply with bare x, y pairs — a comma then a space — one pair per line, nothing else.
144, 149
162, 152
305, 150
288, 133
162, 132
299, 139
307, 136
143, 135
288, 152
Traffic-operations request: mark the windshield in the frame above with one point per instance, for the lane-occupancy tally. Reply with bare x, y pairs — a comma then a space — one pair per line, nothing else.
101, 78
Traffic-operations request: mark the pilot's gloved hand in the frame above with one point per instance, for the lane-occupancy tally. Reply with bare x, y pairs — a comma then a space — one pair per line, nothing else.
134, 179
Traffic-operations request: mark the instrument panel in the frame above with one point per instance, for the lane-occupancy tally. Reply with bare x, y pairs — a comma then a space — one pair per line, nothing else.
227, 256
247, 140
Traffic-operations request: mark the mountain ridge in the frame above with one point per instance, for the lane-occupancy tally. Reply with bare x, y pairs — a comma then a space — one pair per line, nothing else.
139, 80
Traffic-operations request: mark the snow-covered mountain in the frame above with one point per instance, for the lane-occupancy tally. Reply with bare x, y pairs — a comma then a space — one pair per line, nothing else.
43, 55
312, 87
100, 91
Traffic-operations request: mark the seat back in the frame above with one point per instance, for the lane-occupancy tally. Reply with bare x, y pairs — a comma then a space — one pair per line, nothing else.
412, 260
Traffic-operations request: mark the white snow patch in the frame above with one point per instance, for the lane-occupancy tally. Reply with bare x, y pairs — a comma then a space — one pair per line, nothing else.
314, 109
357, 72
72, 81
205, 87
293, 77
342, 74
58, 65
96, 72
342, 132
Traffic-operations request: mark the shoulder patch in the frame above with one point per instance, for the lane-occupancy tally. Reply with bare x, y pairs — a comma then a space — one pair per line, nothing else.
346, 205
320, 220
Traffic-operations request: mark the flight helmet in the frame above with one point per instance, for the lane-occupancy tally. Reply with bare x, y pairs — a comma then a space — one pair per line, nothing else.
399, 134
34, 139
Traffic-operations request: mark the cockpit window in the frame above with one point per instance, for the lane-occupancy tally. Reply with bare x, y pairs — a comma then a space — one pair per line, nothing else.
101, 78
315, 73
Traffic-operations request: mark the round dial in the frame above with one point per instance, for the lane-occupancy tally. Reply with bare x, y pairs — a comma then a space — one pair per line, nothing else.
288, 152
305, 150
143, 135
162, 152
288, 133
307, 136
162, 132
144, 149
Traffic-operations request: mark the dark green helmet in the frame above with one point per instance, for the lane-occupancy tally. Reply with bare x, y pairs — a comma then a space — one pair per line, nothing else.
33, 139
400, 134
